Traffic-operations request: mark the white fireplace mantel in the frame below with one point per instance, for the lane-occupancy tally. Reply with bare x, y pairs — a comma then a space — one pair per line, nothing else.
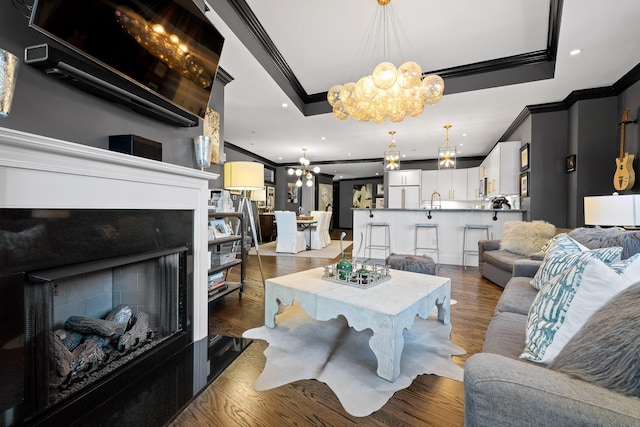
42, 172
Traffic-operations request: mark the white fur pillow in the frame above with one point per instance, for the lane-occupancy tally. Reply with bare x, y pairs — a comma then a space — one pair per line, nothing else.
526, 238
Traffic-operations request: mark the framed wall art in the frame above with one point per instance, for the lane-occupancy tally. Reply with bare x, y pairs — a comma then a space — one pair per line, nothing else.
524, 157
292, 192
362, 195
271, 198
524, 184
325, 196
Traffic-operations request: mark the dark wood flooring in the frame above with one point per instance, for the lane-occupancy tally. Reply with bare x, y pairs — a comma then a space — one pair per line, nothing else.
430, 400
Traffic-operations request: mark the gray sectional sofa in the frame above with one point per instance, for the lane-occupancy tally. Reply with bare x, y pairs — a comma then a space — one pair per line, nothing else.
496, 264
500, 389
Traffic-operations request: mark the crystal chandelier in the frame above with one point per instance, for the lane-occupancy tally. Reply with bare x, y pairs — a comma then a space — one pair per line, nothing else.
391, 154
389, 92
447, 153
304, 162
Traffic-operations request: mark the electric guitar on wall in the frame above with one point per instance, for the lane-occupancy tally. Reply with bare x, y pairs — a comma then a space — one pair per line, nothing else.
625, 177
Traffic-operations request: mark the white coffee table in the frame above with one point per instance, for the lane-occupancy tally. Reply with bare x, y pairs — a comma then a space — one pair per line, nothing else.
387, 309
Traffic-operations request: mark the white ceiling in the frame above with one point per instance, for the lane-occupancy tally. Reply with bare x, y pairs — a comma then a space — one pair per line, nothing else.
320, 41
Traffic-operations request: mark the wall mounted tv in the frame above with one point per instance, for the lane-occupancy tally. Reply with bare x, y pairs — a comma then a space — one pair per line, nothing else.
160, 57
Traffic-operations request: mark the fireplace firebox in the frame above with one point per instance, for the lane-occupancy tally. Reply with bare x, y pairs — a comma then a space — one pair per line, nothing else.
90, 297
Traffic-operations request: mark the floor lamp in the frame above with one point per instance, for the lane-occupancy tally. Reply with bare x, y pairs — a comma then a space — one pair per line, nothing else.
259, 196
245, 176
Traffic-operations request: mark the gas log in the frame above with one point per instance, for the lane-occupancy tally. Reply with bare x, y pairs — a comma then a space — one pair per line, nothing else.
87, 344
90, 325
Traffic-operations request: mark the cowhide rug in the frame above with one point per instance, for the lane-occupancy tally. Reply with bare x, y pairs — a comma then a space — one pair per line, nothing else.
303, 348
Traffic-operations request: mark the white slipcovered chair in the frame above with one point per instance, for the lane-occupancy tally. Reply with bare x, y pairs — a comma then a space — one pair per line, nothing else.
315, 236
290, 239
327, 226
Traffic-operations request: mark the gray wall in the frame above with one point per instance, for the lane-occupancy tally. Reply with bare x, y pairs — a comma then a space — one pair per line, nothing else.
547, 154
45, 106
589, 129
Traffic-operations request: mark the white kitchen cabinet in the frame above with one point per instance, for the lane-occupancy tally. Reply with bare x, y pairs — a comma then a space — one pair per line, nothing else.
457, 184
450, 183
404, 177
502, 168
473, 183
429, 183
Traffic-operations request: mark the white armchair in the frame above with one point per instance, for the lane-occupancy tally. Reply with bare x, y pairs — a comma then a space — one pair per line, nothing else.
315, 236
290, 239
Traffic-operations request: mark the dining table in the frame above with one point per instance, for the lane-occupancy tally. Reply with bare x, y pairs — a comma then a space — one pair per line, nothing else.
305, 223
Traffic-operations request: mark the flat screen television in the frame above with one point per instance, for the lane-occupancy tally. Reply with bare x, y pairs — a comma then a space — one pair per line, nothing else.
162, 52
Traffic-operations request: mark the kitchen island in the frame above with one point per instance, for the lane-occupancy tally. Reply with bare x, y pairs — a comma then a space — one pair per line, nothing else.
450, 222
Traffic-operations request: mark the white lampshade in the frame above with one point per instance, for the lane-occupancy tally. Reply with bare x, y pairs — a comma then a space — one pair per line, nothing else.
243, 176
259, 195
622, 211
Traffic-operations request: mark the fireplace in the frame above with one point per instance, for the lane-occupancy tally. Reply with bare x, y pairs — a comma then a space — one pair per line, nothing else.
88, 236
101, 288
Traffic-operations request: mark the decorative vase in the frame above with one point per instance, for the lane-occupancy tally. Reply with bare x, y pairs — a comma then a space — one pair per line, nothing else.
202, 145
344, 267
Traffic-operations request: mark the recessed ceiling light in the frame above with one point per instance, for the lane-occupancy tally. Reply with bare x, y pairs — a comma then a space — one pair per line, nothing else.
285, 105
280, 158
575, 52
464, 134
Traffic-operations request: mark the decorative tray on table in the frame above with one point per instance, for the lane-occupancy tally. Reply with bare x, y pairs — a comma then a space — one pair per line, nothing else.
364, 275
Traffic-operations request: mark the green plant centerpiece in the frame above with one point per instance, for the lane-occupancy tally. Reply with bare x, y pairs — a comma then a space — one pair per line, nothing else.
344, 266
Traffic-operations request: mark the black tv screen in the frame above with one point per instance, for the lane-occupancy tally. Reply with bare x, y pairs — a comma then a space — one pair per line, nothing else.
166, 46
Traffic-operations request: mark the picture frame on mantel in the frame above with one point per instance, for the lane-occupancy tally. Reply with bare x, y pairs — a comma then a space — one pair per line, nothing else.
524, 157
524, 184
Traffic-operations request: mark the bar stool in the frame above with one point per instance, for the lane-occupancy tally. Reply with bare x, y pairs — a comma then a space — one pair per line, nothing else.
369, 243
432, 249
473, 227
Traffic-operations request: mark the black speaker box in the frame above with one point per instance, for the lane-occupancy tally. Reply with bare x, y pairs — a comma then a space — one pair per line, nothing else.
136, 145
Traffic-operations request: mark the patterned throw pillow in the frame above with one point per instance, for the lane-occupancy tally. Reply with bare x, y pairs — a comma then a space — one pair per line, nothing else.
562, 244
565, 252
563, 306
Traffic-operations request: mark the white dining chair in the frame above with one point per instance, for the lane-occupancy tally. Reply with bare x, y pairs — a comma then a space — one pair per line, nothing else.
289, 239
315, 236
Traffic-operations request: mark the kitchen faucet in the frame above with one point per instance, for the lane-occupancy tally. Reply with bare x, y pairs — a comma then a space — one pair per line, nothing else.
435, 193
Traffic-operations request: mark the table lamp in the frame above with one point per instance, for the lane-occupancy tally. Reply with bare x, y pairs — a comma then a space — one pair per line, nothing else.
615, 210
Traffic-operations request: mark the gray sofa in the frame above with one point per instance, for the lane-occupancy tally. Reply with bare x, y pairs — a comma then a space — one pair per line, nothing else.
496, 264
500, 389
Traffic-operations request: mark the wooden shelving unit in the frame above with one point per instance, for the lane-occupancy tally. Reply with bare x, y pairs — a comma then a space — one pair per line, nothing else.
238, 241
